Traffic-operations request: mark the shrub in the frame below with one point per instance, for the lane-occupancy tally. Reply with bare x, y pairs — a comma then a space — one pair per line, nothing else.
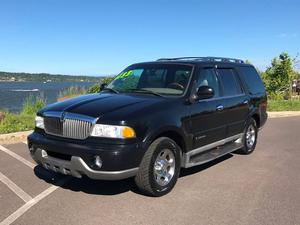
96, 88
32, 104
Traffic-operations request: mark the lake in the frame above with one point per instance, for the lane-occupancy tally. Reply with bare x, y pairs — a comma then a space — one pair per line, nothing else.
13, 94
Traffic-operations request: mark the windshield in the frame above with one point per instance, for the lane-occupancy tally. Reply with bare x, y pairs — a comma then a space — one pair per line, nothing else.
153, 78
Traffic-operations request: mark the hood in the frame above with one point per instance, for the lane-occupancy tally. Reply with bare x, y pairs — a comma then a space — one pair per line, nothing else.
96, 105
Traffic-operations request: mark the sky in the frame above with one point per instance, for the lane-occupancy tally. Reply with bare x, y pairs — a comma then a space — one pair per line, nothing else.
103, 37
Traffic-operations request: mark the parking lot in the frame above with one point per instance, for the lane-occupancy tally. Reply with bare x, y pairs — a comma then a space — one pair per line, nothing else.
262, 188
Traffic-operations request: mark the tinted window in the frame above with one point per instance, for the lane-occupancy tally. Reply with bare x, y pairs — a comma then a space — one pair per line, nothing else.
230, 83
154, 78
207, 77
252, 79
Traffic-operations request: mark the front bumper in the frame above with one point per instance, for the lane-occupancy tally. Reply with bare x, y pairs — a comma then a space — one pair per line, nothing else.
77, 158
77, 167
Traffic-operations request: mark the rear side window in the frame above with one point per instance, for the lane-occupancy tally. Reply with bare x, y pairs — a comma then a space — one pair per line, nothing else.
231, 85
252, 79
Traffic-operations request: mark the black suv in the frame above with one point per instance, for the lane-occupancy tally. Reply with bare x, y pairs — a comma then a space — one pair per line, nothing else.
153, 119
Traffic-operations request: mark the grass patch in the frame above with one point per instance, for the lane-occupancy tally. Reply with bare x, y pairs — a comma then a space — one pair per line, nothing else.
23, 121
16, 122
283, 105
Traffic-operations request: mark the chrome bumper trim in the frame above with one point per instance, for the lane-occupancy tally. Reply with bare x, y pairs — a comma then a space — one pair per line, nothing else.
76, 167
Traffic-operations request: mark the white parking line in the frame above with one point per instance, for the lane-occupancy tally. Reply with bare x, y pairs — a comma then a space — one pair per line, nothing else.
16, 156
16, 189
14, 216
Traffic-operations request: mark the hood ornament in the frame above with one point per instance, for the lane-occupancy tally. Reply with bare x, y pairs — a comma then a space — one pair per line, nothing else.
62, 118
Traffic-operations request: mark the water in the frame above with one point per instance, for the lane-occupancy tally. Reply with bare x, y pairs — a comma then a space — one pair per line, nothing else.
13, 94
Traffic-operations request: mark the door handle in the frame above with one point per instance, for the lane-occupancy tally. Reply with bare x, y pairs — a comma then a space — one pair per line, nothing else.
246, 101
220, 107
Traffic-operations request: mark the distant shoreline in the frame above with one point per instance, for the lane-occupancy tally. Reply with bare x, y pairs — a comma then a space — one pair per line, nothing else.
46, 77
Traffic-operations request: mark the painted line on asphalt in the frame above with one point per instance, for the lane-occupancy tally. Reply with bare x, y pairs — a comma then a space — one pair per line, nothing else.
15, 188
23, 209
16, 156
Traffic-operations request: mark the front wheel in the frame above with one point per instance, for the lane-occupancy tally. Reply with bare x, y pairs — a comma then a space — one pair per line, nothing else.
160, 167
249, 137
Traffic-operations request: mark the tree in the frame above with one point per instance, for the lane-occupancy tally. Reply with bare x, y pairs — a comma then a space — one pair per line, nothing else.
280, 74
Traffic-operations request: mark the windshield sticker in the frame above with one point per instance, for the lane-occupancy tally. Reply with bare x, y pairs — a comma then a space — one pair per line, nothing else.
124, 74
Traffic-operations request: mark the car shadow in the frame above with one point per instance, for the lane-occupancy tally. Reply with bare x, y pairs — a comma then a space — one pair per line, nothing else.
99, 187
86, 185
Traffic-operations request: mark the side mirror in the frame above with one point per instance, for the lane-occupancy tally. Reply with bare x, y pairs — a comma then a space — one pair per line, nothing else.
205, 92
102, 86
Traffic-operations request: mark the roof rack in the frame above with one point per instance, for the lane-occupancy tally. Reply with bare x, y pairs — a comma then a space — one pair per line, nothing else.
210, 59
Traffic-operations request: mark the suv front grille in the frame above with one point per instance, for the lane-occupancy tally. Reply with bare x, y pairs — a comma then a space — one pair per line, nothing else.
68, 127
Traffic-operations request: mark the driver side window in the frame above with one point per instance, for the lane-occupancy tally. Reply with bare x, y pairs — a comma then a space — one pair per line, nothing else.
208, 77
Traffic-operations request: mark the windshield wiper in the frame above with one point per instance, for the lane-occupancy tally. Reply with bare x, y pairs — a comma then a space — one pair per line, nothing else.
137, 90
111, 90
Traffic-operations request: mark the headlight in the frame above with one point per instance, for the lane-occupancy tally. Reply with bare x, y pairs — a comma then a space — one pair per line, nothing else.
110, 131
39, 122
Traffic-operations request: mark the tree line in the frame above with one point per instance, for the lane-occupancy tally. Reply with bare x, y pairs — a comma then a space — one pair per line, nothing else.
11, 76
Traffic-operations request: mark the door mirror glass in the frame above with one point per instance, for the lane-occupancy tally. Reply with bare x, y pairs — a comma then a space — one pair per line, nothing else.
205, 92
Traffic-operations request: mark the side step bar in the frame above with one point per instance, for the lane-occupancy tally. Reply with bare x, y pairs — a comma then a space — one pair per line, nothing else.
212, 151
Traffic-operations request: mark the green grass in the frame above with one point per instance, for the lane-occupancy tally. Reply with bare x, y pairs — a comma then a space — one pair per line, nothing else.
283, 105
14, 122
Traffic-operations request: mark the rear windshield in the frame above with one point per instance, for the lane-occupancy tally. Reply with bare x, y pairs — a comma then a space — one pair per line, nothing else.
252, 79
168, 79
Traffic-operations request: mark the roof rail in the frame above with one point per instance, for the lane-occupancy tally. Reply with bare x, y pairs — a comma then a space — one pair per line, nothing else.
210, 59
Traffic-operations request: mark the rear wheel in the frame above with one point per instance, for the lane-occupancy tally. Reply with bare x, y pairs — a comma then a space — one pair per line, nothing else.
249, 137
160, 167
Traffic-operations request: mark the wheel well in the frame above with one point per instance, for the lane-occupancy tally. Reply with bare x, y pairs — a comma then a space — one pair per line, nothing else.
175, 137
257, 119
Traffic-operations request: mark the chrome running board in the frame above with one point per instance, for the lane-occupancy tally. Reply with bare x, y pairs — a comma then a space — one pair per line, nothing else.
212, 151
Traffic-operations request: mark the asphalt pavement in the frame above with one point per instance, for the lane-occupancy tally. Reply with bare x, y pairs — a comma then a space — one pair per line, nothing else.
261, 188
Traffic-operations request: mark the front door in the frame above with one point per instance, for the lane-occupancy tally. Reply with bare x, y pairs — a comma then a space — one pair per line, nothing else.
207, 124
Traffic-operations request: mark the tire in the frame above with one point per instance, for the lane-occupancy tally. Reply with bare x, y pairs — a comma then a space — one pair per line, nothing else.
249, 138
150, 178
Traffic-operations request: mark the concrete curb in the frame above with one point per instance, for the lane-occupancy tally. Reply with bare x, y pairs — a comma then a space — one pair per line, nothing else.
283, 114
12, 138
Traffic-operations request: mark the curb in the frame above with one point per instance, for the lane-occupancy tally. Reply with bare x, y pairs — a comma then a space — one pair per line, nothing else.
283, 114
13, 138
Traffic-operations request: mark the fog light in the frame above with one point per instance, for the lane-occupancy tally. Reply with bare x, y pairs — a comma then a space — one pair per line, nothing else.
31, 149
98, 161
44, 153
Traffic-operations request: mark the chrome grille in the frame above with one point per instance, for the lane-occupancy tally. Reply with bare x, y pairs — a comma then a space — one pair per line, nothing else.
76, 129
71, 126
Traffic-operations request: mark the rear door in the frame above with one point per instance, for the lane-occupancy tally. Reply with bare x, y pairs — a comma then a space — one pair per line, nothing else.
234, 101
